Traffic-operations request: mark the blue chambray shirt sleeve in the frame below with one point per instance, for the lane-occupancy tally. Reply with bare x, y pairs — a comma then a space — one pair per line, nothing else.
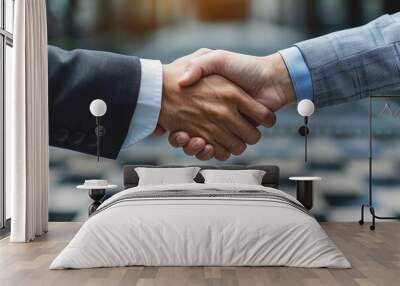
145, 117
299, 73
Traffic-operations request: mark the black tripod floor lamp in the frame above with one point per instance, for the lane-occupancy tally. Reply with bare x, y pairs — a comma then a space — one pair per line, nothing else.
370, 134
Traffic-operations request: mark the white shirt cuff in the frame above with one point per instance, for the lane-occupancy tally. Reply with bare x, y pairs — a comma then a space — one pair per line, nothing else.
145, 117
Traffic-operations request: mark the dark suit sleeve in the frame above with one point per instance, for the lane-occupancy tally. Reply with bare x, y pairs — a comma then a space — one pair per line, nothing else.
80, 76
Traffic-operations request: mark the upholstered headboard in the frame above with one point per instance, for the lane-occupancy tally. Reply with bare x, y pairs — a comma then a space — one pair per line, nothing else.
270, 179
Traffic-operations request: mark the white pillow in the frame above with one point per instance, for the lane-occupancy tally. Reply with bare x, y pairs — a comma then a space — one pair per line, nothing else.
165, 176
248, 177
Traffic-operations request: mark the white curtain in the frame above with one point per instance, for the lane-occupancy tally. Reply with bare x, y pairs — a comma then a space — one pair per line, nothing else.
27, 124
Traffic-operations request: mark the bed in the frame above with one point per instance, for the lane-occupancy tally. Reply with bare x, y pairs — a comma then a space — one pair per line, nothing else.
201, 224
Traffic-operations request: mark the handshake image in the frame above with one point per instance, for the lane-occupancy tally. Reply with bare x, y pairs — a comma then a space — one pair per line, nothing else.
212, 101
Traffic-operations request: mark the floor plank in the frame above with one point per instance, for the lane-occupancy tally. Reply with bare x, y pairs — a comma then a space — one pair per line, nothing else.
375, 257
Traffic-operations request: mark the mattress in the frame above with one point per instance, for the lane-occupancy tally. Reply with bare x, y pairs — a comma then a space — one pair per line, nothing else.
201, 225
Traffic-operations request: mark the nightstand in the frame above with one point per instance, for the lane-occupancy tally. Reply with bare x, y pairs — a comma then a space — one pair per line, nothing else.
304, 190
97, 191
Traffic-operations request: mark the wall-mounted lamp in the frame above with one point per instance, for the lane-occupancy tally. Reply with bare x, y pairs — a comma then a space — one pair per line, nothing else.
305, 108
98, 108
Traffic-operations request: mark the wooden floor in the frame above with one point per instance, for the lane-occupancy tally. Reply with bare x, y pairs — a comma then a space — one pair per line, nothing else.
375, 257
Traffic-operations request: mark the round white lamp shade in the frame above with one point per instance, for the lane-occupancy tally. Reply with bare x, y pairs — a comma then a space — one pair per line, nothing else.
98, 107
305, 107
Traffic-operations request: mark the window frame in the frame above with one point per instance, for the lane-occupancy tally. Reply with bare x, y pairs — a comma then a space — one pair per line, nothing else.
6, 39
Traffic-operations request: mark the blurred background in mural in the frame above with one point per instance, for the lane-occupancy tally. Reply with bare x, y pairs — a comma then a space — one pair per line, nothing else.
167, 29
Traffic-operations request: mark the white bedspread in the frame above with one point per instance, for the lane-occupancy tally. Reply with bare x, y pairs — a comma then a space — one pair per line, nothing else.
200, 231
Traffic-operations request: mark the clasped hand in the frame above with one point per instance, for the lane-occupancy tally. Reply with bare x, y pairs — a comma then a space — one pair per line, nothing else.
213, 100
